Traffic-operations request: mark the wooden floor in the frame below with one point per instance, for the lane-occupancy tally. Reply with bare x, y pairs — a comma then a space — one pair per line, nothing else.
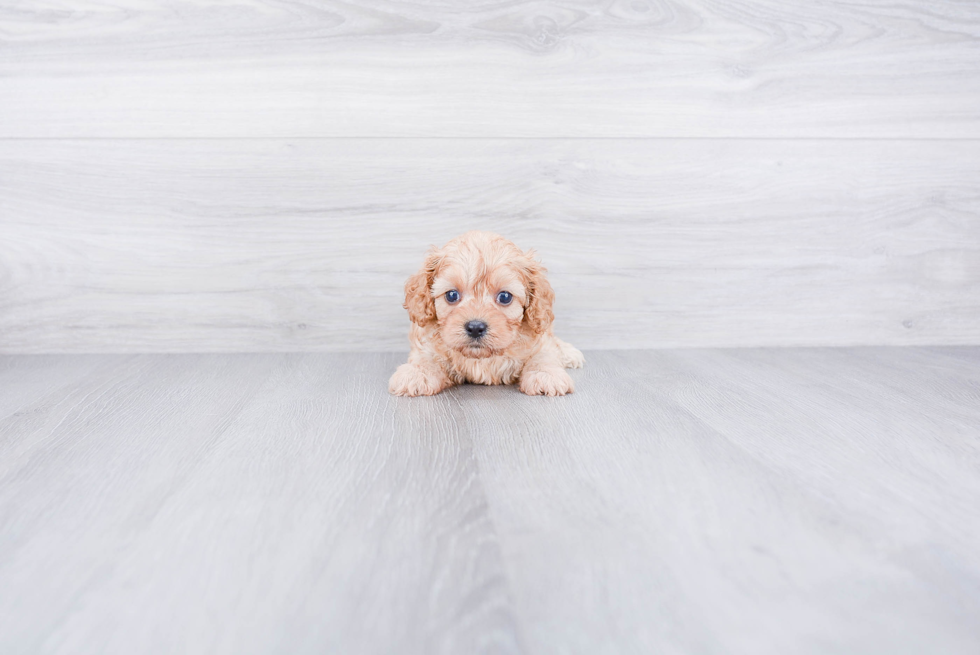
688, 501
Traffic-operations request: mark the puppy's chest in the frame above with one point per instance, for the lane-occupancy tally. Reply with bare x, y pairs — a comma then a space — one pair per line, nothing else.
491, 370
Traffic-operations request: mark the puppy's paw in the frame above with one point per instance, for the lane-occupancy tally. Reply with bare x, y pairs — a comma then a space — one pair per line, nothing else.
571, 357
412, 380
554, 382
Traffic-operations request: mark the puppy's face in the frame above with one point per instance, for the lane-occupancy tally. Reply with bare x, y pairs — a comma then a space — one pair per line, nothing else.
478, 314
479, 291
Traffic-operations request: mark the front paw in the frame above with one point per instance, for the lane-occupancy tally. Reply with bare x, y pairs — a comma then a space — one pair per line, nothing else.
572, 357
412, 380
546, 383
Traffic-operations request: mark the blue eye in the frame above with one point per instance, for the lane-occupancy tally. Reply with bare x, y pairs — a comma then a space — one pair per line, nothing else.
452, 297
504, 297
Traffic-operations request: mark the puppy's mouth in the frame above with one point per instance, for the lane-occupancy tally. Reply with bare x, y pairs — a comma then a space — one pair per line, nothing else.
476, 350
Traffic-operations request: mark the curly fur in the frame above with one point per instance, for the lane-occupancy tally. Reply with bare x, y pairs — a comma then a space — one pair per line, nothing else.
518, 346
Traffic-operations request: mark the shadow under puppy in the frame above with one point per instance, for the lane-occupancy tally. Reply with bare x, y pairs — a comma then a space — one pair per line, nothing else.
481, 312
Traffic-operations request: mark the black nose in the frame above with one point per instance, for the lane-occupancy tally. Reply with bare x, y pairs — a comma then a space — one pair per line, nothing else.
476, 329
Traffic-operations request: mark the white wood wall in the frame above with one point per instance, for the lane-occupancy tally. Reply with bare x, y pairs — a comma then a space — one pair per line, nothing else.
263, 175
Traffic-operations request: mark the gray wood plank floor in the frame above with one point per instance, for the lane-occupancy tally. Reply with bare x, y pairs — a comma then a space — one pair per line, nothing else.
701, 501
271, 245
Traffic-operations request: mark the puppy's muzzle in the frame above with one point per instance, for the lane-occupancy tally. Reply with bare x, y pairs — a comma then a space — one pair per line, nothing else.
476, 329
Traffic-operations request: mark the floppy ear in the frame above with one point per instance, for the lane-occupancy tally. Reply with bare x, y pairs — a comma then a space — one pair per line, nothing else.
418, 291
540, 296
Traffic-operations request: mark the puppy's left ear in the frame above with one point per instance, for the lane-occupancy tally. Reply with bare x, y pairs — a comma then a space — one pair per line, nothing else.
418, 291
539, 312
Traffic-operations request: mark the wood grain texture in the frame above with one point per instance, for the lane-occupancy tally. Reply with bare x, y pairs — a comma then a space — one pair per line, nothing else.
564, 68
745, 501
250, 504
129, 246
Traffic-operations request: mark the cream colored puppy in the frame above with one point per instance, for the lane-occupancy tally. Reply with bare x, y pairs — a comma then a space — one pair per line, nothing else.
481, 312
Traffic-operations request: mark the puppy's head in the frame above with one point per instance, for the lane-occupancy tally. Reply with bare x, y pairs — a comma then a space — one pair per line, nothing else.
481, 291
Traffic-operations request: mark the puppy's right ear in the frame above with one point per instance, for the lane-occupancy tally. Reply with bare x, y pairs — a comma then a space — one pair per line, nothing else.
418, 291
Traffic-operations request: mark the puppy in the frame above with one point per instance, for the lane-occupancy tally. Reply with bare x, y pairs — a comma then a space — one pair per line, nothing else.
481, 312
